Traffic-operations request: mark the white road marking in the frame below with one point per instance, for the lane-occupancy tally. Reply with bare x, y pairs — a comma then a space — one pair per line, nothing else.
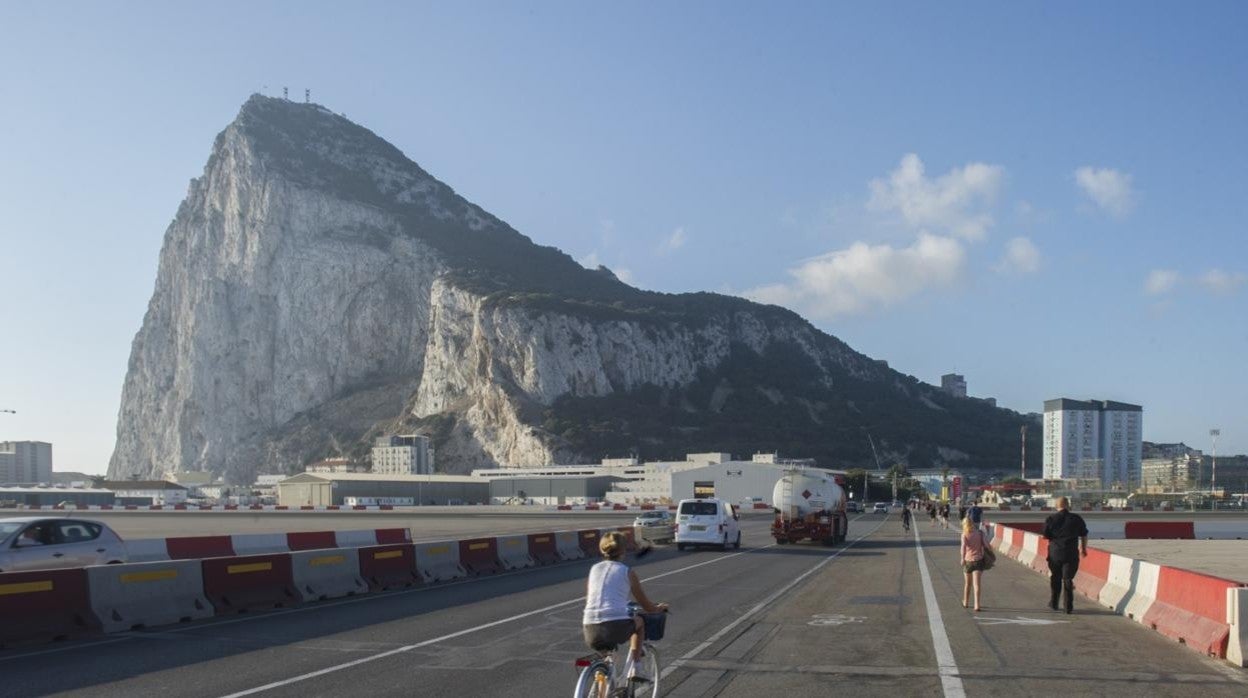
949, 679
762, 604
1016, 620
465, 631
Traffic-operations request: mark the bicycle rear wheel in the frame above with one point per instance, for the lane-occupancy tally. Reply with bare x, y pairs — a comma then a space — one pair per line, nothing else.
595, 682
647, 689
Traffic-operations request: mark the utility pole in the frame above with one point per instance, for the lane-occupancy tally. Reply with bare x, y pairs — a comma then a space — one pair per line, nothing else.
1023, 429
1213, 478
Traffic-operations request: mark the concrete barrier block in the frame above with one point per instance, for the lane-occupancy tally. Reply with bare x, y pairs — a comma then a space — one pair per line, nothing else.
1182, 530
199, 547
542, 548
513, 552
1191, 607
355, 539
255, 582
438, 561
589, 542
46, 605
479, 556
146, 550
1237, 619
259, 543
1119, 584
568, 546
147, 594
327, 573
311, 540
1143, 592
389, 566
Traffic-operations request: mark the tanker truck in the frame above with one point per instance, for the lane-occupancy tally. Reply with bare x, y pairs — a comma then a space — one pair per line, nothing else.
809, 504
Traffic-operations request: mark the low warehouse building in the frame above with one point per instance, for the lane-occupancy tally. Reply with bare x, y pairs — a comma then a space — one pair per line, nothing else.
51, 496
323, 489
551, 489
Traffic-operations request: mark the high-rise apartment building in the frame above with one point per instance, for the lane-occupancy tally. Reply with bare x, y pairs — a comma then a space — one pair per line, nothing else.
403, 455
26, 462
1093, 440
954, 384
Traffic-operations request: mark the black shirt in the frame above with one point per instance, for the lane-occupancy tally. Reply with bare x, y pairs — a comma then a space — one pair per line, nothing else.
1064, 530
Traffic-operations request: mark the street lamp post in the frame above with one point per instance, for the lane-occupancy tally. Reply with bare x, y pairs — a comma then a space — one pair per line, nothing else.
1213, 477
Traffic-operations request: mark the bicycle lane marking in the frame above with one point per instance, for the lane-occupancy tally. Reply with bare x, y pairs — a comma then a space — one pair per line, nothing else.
667, 671
950, 681
465, 631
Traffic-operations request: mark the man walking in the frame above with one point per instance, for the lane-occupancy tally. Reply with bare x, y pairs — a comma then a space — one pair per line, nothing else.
1068, 541
976, 513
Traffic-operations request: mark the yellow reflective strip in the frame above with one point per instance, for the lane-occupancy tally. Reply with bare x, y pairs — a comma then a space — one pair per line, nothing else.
327, 560
25, 588
251, 567
478, 546
542, 539
438, 550
155, 576
513, 542
388, 555
587, 536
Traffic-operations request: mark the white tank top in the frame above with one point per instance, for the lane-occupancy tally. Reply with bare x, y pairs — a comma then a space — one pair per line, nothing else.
607, 596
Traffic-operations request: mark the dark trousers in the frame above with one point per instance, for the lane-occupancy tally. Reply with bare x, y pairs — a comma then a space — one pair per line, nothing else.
1062, 579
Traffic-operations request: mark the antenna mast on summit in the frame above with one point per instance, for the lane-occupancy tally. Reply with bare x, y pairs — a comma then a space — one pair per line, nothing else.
307, 96
285, 94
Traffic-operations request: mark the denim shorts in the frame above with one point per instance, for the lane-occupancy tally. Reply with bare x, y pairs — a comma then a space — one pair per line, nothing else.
973, 566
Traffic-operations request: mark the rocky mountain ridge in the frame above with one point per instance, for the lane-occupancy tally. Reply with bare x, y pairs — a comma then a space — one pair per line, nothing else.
317, 288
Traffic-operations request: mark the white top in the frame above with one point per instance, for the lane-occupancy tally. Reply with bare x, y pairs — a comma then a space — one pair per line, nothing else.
607, 598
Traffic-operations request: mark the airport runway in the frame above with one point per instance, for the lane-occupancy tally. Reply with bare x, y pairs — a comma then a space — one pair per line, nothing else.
879, 616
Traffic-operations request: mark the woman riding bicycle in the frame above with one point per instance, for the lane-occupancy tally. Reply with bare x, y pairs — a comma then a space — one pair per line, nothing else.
606, 620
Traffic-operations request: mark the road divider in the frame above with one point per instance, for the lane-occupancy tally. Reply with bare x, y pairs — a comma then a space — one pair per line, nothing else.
45, 606
1204, 612
439, 561
479, 556
147, 594
513, 552
543, 549
568, 545
251, 583
327, 573
389, 566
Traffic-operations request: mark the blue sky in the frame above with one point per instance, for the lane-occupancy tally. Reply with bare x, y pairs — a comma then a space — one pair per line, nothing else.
1046, 197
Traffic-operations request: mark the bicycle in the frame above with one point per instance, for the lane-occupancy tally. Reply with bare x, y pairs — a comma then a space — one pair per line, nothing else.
602, 674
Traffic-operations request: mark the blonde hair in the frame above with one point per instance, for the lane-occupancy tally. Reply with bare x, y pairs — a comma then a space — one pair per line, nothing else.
611, 545
968, 524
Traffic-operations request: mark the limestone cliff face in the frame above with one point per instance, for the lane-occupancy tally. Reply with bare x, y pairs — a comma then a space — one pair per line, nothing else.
317, 287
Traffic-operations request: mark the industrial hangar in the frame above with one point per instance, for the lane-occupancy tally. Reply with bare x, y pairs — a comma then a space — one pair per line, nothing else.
324, 489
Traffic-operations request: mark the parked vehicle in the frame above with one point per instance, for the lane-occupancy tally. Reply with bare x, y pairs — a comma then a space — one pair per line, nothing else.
658, 525
707, 522
809, 505
41, 543
853, 507
880, 508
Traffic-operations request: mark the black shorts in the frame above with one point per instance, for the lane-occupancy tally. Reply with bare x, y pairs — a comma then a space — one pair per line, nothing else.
973, 566
608, 633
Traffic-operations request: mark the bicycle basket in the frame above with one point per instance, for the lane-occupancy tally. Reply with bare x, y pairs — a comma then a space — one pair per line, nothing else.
656, 624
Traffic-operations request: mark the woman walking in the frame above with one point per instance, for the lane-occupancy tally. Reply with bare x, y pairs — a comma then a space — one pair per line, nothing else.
972, 560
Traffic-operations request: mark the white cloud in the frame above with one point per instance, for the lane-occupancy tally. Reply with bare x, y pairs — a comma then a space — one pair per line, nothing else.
1108, 188
1021, 257
952, 202
1222, 282
1161, 282
590, 261
864, 276
672, 242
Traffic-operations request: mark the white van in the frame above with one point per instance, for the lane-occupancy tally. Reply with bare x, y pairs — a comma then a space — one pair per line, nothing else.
707, 522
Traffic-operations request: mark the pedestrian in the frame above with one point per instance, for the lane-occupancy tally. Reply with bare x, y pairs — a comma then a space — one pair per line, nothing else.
972, 556
1068, 541
931, 514
961, 512
905, 520
977, 513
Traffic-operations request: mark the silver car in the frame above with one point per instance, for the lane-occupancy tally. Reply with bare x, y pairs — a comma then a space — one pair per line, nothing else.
657, 525
39, 543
